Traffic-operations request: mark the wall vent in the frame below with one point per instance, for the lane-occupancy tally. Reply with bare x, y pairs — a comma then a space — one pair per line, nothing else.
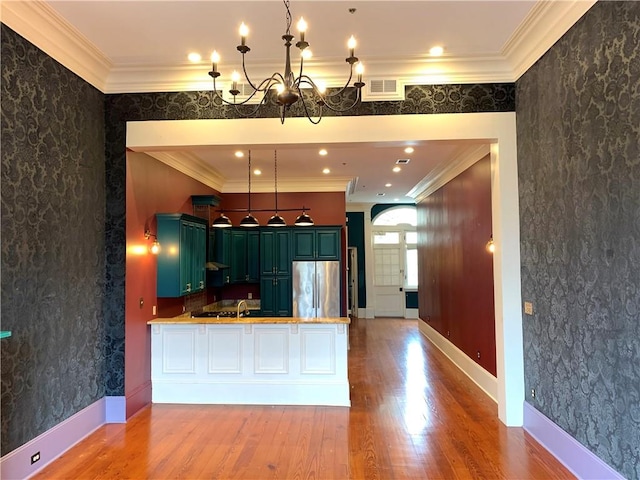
245, 91
383, 89
403, 161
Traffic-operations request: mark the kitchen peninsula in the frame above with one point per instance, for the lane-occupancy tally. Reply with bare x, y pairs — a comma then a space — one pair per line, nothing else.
250, 360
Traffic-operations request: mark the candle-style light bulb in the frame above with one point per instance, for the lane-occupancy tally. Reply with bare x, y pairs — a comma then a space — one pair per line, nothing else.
244, 32
215, 59
352, 45
302, 28
235, 78
359, 70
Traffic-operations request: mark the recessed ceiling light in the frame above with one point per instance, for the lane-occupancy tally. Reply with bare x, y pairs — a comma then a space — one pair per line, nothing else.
387, 185
194, 57
396, 169
239, 154
436, 51
326, 170
408, 150
257, 171
396, 199
322, 152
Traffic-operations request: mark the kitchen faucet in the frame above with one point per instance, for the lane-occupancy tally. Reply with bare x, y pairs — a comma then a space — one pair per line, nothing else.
245, 307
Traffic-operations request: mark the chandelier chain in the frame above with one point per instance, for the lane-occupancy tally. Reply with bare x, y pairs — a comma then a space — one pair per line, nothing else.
288, 16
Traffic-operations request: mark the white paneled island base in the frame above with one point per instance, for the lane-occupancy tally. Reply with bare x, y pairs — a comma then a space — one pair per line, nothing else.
287, 362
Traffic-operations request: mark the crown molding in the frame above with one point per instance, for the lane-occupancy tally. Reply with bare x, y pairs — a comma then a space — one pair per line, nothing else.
289, 185
46, 29
192, 166
406, 70
447, 171
545, 24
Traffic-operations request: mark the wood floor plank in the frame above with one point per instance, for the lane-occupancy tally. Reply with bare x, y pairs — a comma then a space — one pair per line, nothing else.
414, 415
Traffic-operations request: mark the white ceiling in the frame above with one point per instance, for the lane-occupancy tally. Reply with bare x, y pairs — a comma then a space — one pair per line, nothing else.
142, 46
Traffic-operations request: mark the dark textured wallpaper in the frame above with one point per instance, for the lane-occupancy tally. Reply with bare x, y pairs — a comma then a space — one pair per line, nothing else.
52, 196
578, 121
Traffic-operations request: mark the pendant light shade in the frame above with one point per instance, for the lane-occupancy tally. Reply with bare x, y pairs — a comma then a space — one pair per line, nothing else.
304, 220
221, 222
276, 221
249, 221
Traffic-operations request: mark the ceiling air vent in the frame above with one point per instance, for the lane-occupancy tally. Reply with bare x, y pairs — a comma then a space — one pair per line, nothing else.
403, 161
381, 89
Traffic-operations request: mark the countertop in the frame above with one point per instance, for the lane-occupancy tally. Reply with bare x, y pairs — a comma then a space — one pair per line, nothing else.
248, 320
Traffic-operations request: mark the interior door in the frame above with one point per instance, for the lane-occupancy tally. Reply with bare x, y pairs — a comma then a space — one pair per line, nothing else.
388, 275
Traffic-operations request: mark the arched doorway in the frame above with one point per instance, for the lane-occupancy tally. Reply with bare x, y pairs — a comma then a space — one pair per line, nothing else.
395, 260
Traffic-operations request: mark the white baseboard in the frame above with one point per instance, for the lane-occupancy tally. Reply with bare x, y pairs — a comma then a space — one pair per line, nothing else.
475, 372
16, 465
572, 454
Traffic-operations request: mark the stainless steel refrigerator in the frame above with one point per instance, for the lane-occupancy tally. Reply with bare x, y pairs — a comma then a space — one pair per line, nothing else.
316, 289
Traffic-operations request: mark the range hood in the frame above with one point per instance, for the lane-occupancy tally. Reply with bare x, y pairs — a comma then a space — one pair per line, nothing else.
215, 266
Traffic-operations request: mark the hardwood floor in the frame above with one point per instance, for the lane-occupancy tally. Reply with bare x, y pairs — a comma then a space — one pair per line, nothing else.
413, 416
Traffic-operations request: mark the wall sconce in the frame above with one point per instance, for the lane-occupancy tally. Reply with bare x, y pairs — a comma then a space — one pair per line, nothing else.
491, 247
155, 246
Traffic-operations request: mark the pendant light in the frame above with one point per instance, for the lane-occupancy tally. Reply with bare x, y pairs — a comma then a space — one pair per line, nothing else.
303, 220
249, 221
222, 222
276, 220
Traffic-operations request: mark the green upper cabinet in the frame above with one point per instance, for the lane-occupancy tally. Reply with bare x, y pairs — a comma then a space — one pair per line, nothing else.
253, 256
275, 252
183, 252
245, 255
318, 243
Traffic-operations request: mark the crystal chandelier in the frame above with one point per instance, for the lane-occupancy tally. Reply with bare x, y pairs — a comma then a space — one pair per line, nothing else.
291, 88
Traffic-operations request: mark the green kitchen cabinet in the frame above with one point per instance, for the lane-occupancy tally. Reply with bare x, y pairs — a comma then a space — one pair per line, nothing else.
275, 252
253, 256
245, 255
319, 243
275, 296
182, 257
275, 272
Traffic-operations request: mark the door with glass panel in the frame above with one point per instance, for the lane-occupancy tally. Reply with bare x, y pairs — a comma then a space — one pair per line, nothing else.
388, 273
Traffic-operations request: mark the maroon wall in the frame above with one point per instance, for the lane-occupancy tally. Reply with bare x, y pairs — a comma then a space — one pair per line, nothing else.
326, 208
152, 187
456, 271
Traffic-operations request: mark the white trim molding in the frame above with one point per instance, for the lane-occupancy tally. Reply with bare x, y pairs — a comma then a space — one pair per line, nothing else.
50, 32
542, 27
447, 171
487, 382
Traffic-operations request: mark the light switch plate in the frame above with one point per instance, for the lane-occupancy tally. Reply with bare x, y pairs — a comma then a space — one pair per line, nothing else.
528, 308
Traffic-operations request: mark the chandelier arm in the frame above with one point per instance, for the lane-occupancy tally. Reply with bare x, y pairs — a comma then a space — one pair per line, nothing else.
309, 81
342, 90
346, 109
277, 77
273, 80
306, 109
